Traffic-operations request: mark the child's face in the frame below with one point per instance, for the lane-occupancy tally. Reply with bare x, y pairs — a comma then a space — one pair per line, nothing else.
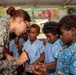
24, 35
66, 36
33, 34
51, 37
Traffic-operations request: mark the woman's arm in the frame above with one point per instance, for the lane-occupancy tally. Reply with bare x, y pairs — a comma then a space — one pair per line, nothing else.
23, 58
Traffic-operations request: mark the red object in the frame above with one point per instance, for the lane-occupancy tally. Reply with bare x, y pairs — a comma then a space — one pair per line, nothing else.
49, 14
5, 50
43, 12
44, 43
32, 13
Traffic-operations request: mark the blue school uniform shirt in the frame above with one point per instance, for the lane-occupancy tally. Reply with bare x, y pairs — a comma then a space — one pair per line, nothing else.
13, 48
22, 41
67, 60
34, 50
51, 52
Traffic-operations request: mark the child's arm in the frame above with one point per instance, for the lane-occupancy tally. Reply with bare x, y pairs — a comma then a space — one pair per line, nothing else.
36, 62
41, 59
19, 47
51, 65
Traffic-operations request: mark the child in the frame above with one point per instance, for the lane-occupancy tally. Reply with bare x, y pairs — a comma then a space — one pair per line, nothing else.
51, 30
66, 64
22, 39
14, 51
33, 46
13, 48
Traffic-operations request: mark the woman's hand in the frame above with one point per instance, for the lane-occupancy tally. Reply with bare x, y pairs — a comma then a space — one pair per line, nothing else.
9, 57
23, 58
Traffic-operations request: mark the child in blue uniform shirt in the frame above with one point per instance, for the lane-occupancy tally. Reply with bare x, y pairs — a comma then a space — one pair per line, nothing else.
13, 48
33, 46
66, 64
51, 30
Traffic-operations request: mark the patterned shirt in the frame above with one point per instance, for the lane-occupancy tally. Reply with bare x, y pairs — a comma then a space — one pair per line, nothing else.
67, 60
3, 36
6, 67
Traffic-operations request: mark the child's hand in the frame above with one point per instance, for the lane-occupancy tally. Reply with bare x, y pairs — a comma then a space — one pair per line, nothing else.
39, 69
16, 41
19, 46
29, 67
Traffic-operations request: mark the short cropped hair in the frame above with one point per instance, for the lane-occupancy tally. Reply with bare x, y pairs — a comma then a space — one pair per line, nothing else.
51, 27
36, 27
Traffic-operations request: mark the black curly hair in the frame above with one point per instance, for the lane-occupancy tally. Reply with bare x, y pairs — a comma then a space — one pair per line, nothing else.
67, 22
51, 27
36, 27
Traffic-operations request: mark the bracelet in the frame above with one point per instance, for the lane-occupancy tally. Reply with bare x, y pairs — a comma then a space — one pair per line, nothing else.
27, 56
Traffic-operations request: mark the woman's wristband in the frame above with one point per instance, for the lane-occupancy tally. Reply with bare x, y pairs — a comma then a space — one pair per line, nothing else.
27, 56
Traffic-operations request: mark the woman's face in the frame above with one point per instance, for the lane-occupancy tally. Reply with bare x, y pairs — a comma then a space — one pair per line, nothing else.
18, 26
20, 29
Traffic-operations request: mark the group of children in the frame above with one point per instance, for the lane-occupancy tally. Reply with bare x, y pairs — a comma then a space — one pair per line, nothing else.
58, 57
66, 57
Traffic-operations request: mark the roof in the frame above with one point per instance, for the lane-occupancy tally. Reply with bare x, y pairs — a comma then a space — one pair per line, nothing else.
68, 3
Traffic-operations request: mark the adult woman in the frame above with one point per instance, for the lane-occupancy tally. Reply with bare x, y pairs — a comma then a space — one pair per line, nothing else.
19, 20
19, 23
